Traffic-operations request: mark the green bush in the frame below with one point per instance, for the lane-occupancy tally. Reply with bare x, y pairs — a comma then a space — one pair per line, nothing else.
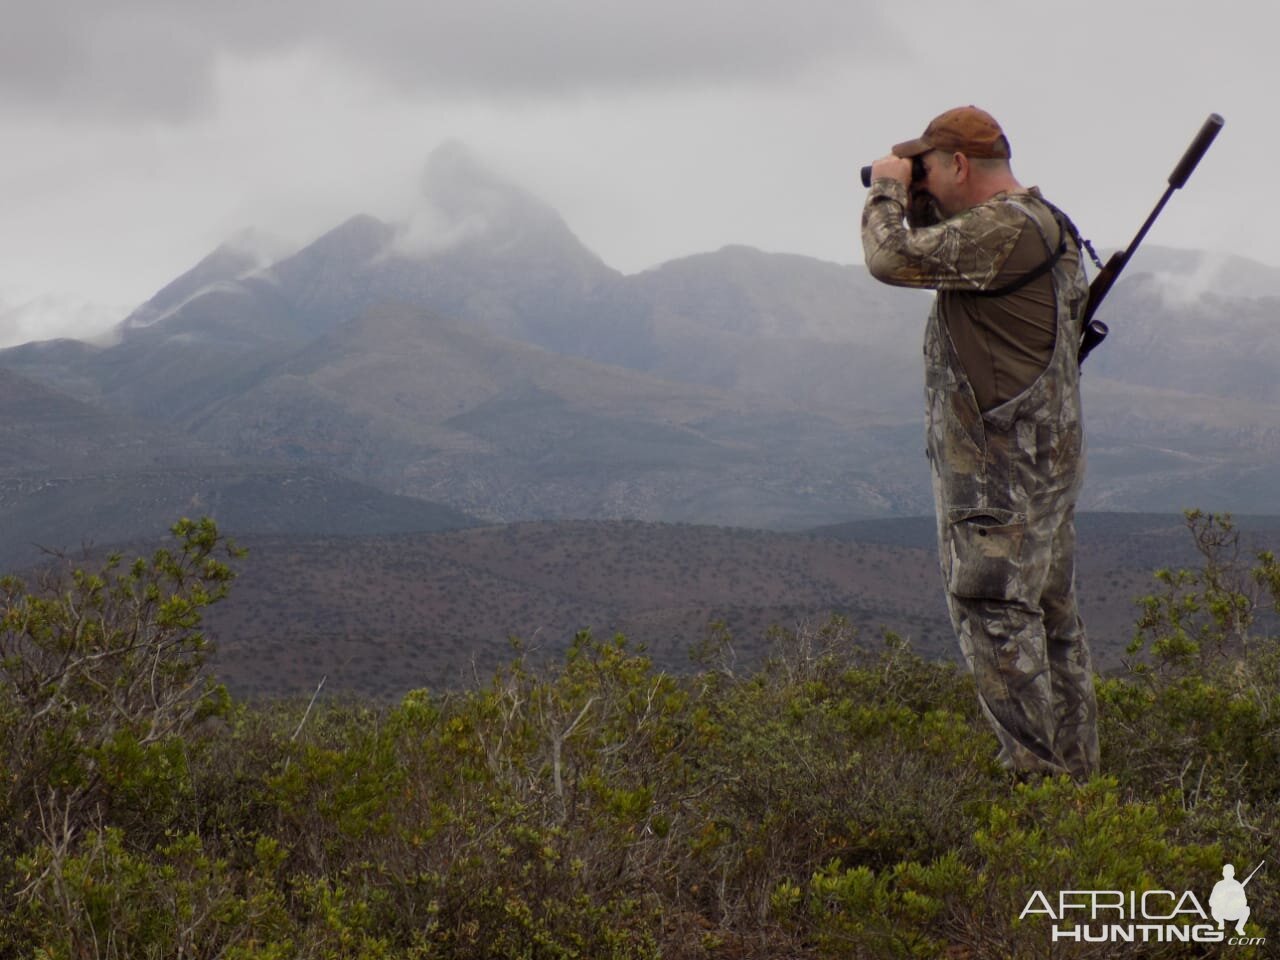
841, 800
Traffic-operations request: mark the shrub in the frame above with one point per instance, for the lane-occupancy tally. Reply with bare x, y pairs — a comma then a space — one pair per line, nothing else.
840, 801
101, 684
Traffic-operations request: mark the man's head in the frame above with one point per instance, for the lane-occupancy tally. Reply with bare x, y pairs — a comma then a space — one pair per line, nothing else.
1228, 872
965, 156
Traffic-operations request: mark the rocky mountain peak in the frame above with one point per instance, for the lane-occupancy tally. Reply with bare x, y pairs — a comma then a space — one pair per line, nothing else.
464, 205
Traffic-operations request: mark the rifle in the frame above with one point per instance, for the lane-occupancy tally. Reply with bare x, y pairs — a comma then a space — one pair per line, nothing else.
1250, 876
1095, 331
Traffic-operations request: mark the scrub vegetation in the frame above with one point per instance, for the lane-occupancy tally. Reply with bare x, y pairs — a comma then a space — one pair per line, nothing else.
841, 800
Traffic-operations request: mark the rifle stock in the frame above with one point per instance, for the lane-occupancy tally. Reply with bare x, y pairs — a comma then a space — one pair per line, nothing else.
1095, 331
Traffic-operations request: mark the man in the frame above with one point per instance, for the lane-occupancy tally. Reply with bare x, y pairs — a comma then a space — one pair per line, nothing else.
1003, 422
1228, 901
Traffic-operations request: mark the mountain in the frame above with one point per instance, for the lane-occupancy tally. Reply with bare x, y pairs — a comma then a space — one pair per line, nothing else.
475, 249
72, 474
46, 432
476, 354
229, 263
1209, 342
431, 407
749, 321
1188, 273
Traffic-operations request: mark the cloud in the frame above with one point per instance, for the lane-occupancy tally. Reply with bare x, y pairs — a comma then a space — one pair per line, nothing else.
157, 59
462, 201
48, 317
260, 247
123, 58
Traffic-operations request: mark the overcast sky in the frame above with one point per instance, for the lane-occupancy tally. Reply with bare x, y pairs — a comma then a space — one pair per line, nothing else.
140, 134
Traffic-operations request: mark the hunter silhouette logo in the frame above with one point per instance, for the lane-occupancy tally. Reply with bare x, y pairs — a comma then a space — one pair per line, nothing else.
1149, 916
1228, 900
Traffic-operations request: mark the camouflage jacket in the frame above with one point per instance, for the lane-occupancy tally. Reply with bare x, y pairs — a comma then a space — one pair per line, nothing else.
1030, 447
1006, 244
964, 252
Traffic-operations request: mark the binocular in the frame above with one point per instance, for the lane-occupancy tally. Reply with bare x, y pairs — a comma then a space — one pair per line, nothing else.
917, 172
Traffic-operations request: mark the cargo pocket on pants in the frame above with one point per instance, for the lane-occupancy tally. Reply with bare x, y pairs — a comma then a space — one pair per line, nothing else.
985, 553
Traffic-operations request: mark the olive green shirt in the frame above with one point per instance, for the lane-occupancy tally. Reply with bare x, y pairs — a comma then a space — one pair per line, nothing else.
1005, 342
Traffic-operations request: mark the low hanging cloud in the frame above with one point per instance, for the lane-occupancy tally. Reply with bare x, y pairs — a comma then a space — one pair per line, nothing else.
156, 59
462, 201
48, 317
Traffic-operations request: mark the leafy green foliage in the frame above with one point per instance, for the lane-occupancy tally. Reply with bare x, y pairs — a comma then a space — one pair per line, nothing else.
839, 801
1199, 707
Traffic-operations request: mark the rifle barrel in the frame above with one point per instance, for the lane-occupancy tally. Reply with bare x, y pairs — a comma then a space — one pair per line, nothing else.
1096, 331
1250, 876
1178, 179
1151, 218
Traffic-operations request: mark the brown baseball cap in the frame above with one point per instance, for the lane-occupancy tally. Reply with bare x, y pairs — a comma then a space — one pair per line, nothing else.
966, 130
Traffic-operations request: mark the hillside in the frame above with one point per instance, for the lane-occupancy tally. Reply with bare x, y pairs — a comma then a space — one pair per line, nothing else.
429, 407
838, 801
382, 615
72, 475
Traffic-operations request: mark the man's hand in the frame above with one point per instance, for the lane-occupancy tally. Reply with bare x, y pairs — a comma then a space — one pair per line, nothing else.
895, 168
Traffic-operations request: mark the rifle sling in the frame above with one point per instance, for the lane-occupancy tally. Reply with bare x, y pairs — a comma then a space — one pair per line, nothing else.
1065, 229
1034, 274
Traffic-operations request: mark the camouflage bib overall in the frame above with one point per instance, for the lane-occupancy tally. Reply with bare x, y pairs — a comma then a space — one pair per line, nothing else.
1005, 485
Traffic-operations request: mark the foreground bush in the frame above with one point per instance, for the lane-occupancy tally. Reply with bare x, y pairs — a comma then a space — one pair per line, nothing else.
839, 801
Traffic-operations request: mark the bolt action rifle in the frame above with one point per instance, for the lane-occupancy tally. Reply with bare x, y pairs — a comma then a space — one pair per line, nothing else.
1095, 331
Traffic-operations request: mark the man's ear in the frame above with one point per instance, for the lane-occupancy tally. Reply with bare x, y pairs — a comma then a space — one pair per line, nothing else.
961, 164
